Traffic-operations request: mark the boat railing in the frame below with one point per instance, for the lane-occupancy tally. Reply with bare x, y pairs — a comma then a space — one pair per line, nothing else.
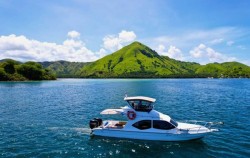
208, 125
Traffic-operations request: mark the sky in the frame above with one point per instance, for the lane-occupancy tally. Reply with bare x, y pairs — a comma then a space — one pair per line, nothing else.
203, 31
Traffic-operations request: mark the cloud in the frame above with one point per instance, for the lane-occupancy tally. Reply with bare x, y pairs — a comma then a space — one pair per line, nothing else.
115, 42
73, 43
204, 53
13, 43
216, 41
241, 47
101, 53
172, 52
127, 36
73, 34
72, 49
229, 43
111, 43
23, 49
188, 39
198, 51
189, 43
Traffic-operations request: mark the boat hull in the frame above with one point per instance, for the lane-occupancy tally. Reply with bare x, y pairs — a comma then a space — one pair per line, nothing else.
146, 135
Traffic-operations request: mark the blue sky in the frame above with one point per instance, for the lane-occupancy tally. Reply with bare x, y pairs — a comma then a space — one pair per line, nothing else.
85, 30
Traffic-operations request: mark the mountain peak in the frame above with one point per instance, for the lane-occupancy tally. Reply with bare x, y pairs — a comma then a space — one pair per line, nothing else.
135, 43
139, 48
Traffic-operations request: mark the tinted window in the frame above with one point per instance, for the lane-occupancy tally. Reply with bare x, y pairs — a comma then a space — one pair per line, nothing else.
141, 105
173, 122
144, 124
158, 124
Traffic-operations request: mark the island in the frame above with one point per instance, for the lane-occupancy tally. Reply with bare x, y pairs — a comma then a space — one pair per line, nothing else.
135, 60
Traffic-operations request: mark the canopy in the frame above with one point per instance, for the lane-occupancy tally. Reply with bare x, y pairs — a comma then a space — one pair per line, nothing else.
112, 111
140, 98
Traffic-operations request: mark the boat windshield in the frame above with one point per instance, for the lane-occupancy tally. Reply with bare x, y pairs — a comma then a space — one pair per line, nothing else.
173, 122
141, 105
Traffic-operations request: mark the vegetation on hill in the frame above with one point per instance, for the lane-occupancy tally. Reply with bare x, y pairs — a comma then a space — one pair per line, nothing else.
11, 70
64, 69
224, 70
139, 61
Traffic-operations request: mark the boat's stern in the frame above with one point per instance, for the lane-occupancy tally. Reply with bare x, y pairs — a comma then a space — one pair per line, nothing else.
94, 123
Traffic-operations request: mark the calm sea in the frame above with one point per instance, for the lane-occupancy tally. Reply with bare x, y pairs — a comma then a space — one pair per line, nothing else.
50, 118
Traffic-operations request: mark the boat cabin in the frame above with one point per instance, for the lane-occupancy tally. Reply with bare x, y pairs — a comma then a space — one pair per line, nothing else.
156, 124
139, 103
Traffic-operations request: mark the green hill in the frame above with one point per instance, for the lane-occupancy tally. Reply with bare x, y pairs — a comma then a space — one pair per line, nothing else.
138, 60
227, 69
11, 70
64, 69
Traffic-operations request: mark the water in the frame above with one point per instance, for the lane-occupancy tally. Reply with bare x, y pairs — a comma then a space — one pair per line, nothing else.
50, 118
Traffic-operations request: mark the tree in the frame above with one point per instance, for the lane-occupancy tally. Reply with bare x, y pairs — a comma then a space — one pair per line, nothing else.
32, 71
9, 66
3, 75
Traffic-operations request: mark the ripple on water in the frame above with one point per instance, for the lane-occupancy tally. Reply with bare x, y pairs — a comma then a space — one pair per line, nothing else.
50, 119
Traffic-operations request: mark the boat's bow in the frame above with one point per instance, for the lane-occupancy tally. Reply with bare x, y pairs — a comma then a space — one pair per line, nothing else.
196, 128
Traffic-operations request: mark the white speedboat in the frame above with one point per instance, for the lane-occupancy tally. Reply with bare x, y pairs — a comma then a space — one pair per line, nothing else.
147, 124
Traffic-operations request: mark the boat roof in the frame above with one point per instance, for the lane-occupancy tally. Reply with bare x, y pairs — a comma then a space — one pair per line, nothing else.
112, 111
155, 115
140, 98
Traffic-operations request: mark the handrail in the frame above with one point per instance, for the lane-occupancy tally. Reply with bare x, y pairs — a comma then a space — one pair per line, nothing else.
208, 125
205, 122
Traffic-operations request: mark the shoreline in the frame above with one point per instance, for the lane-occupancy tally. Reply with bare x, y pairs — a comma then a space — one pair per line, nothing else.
119, 79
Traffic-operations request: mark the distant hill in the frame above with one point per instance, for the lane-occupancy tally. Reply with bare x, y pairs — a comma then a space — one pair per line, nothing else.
224, 70
11, 70
138, 60
64, 69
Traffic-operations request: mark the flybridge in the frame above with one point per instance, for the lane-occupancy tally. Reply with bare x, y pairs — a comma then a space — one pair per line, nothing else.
140, 98
140, 103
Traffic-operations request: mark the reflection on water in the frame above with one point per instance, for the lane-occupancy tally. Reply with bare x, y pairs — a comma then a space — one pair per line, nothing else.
20, 84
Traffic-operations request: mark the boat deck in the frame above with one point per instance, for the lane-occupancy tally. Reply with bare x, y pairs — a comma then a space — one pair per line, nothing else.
114, 124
